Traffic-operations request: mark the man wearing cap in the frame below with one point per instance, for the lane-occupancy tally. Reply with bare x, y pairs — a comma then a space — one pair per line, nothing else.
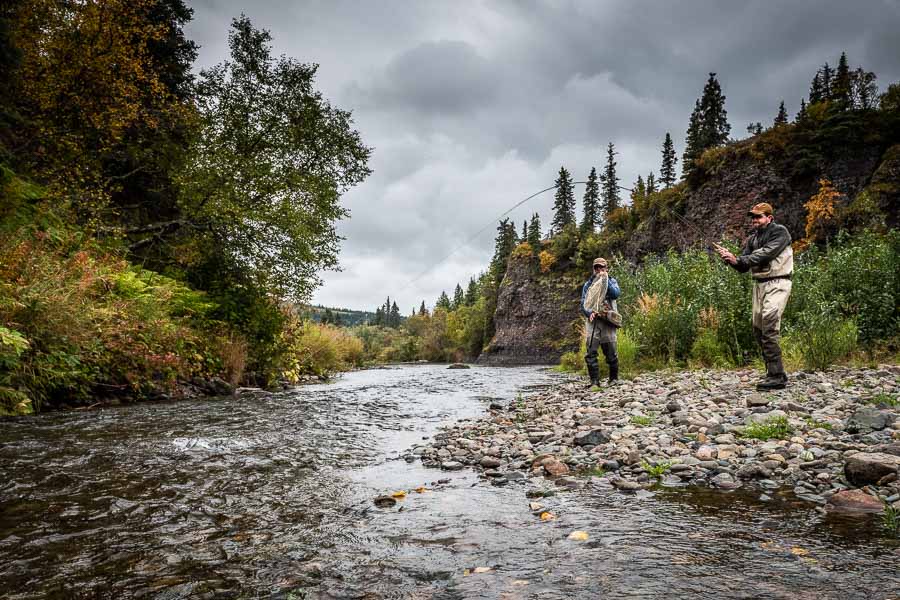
598, 295
770, 259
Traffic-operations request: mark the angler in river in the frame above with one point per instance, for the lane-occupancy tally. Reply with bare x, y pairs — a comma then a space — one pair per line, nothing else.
770, 259
598, 304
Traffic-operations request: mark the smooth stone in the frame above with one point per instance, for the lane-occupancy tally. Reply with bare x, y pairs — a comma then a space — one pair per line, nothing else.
854, 501
489, 462
594, 437
451, 465
864, 468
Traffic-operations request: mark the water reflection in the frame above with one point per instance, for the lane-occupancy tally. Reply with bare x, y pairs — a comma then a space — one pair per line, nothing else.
272, 497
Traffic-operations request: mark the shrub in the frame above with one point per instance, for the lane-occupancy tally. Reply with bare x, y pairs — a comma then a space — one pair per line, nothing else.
771, 428
821, 339
547, 260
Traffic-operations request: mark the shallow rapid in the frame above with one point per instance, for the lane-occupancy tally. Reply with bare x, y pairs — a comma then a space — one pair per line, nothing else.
272, 497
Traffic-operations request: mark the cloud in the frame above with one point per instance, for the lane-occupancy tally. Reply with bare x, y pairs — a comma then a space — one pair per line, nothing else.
473, 106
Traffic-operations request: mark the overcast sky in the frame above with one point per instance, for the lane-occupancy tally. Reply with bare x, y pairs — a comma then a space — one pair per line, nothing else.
472, 106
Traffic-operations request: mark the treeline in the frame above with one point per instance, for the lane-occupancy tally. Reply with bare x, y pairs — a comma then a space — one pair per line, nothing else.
843, 113
176, 218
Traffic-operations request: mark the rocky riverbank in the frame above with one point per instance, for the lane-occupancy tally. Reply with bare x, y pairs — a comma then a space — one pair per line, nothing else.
834, 437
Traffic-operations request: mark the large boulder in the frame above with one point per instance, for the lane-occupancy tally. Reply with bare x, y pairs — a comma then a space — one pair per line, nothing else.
864, 468
854, 501
594, 437
867, 419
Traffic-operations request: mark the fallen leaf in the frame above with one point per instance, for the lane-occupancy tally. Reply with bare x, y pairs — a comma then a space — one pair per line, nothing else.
466, 573
797, 551
578, 536
482, 570
547, 516
421, 489
399, 494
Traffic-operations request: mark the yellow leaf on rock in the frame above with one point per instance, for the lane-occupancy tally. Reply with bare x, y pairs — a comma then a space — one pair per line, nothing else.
547, 516
399, 494
578, 536
482, 570
421, 489
797, 551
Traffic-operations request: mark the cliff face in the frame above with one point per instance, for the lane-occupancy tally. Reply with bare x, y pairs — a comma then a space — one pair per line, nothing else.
537, 314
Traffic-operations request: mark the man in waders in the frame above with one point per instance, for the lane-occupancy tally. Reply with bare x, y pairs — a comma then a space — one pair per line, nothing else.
770, 259
598, 296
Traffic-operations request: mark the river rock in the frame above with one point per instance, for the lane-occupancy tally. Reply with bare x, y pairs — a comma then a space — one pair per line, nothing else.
867, 419
489, 462
864, 468
854, 501
555, 468
593, 437
451, 465
459, 366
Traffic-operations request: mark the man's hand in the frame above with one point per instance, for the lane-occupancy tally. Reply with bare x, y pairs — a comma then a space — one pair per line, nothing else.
591, 318
725, 254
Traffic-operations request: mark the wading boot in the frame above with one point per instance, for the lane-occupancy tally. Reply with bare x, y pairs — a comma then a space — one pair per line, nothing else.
614, 373
594, 374
775, 378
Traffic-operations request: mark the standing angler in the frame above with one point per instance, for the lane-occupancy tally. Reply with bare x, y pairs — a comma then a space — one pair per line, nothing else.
770, 259
598, 304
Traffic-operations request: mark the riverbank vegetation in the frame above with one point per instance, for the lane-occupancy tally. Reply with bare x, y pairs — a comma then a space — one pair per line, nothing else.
160, 227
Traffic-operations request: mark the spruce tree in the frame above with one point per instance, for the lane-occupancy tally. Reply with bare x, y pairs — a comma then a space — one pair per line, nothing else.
534, 233
459, 298
471, 292
714, 120
505, 243
443, 302
638, 192
692, 148
827, 81
524, 235
379, 316
564, 202
394, 318
816, 94
781, 118
651, 184
667, 171
611, 200
422, 310
801, 114
591, 204
840, 88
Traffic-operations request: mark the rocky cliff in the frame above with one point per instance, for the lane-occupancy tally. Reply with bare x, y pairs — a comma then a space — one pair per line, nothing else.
537, 314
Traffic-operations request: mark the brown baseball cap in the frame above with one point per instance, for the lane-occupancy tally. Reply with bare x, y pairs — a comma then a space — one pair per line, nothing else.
761, 209
601, 261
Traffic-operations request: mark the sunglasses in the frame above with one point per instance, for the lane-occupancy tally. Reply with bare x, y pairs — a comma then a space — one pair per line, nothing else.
599, 267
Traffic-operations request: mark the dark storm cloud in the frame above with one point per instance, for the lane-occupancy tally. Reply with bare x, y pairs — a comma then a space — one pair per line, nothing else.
472, 106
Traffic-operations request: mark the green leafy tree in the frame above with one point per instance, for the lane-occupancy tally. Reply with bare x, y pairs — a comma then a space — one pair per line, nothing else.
564, 201
268, 167
781, 118
611, 199
667, 171
863, 89
591, 205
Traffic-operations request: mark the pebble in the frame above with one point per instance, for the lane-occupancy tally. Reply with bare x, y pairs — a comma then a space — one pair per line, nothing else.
696, 429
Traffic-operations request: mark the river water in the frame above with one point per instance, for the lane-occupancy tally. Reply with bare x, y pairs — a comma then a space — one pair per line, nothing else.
272, 497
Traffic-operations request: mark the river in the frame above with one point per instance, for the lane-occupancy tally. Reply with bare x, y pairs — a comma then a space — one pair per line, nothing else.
272, 497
